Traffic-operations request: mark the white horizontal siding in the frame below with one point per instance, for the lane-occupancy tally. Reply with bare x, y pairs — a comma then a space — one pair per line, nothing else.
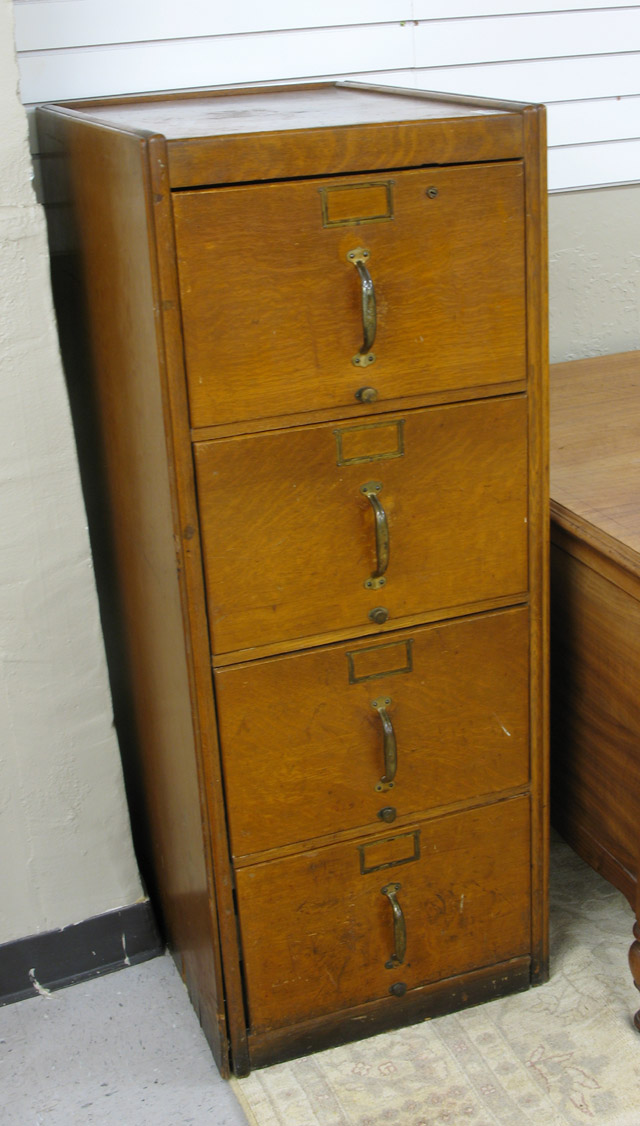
581, 59
542, 80
547, 36
213, 61
47, 24
594, 165
579, 123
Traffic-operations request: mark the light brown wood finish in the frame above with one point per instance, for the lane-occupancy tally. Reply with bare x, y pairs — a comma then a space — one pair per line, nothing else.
323, 775
107, 294
321, 129
187, 543
535, 148
360, 1021
289, 538
251, 305
596, 767
331, 928
595, 467
250, 548
218, 112
595, 507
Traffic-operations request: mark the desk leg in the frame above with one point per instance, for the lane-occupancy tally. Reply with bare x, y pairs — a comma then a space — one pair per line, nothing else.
634, 953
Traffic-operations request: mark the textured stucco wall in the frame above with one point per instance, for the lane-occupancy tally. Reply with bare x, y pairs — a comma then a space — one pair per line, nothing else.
594, 272
65, 844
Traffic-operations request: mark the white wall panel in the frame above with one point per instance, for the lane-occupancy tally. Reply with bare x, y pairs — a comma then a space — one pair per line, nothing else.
222, 60
611, 119
59, 75
580, 57
552, 35
592, 166
455, 9
49, 24
545, 80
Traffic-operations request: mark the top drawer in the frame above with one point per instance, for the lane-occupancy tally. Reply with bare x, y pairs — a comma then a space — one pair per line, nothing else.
277, 280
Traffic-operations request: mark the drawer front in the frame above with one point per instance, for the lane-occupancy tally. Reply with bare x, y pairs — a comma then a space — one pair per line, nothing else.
337, 738
318, 929
293, 547
273, 305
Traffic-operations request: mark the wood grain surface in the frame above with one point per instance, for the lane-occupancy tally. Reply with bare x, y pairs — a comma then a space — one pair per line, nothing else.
595, 468
595, 506
107, 293
458, 704
220, 350
328, 928
289, 540
272, 325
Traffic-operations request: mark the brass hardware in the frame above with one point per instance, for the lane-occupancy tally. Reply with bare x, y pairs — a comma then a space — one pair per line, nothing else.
350, 442
400, 654
366, 395
377, 579
387, 814
403, 848
388, 743
358, 258
398, 989
431, 192
379, 615
399, 926
335, 199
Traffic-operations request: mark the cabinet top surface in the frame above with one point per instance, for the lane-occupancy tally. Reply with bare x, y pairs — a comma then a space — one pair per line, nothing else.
223, 113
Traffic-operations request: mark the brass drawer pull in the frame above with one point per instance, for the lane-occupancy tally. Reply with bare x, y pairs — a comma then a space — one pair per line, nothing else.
358, 258
389, 743
399, 926
377, 579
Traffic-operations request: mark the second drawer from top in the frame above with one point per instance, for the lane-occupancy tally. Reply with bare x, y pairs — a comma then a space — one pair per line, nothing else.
315, 529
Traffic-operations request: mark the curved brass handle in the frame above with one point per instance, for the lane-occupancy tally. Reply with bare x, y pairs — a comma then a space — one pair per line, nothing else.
358, 257
389, 743
383, 546
399, 926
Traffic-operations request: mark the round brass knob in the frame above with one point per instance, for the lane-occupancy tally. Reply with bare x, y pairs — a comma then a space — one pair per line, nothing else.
367, 395
379, 615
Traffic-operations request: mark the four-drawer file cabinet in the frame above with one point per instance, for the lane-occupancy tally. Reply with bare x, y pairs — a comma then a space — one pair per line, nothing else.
306, 335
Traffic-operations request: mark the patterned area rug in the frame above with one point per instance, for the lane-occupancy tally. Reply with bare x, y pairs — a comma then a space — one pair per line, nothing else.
560, 1054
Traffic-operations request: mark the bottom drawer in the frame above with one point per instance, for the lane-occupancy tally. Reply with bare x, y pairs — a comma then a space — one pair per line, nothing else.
354, 922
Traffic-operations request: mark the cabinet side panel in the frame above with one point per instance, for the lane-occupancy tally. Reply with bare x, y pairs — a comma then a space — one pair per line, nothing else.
537, 351
596, 767
105, 285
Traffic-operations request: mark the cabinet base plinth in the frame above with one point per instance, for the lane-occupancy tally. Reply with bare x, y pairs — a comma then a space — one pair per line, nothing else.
281, 1044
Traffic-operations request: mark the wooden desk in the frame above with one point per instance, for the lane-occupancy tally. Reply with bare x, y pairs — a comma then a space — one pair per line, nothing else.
595, 583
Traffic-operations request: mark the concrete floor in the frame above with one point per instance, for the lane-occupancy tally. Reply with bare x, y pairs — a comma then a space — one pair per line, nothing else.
126, 1048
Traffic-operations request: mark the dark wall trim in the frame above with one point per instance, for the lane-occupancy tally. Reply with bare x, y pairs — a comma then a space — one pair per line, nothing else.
84, 950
